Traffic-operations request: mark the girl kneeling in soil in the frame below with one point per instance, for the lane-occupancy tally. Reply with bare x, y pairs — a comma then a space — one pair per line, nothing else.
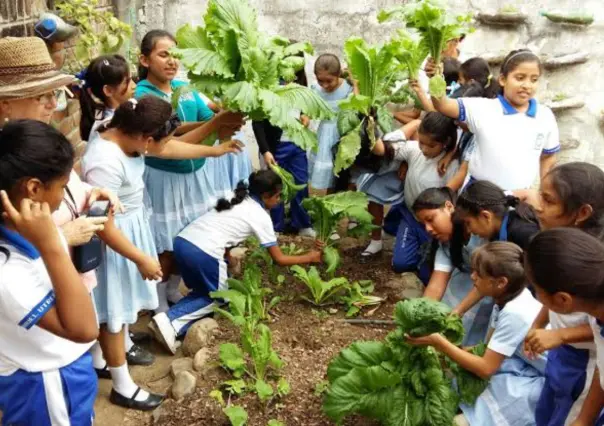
514, 381
450, 281
199, 251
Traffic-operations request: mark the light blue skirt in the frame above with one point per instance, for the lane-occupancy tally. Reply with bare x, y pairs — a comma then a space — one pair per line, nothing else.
383, 187
121, 291
510, 398
476, 320
232, 168
321, 163
177, 199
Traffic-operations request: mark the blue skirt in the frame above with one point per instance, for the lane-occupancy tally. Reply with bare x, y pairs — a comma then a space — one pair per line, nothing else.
383, 187
121, 292
321, 163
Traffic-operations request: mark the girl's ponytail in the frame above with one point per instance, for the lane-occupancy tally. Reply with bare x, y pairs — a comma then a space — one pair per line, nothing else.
241, 193
148, 116
260, 183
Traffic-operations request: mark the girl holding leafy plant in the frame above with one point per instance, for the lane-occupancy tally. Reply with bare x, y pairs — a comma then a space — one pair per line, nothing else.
332, 88
514, 381
571, 196
437, 137
516, 138
200, 250
450, 281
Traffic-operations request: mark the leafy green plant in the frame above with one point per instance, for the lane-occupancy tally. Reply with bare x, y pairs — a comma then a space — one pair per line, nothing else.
231, 59
235, 413
392, 381
322, 292
359, 297
290, 189
470, 386
291, 249
435, 28
326, 212
100, 31
258, 254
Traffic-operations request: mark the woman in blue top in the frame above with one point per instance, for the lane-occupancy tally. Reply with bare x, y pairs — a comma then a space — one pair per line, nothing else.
179, 190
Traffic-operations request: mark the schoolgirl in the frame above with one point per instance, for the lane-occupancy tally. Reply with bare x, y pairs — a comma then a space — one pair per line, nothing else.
179, 190
116, 161
514, 382
566, 266
47, 319
332, 88
437, 136
200, 249
571, 196
516, 138
450, 281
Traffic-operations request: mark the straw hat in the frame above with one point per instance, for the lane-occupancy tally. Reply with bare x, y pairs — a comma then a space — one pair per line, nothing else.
27, 70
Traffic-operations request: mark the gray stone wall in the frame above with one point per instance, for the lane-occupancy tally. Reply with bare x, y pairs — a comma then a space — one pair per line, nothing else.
328, 23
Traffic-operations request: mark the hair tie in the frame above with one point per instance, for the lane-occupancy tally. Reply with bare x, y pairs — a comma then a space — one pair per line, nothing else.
489, 79
134, 103
106, 62
521, 52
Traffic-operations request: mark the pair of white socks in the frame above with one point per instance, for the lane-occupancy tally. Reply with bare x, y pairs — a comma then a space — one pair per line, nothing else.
168, 291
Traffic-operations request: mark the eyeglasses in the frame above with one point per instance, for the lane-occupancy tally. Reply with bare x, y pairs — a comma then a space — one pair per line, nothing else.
47, 98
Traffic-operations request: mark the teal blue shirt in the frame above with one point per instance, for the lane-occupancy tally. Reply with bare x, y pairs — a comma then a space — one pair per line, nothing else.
191, 107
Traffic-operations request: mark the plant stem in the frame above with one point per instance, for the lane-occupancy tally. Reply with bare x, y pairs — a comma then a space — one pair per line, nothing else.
369, 322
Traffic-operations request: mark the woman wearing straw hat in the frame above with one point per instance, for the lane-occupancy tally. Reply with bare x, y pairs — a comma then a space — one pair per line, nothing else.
29, 84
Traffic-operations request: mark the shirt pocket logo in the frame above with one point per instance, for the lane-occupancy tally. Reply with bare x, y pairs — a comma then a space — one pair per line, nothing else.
539, 141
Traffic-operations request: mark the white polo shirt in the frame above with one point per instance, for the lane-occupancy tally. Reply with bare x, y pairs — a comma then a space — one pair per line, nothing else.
215, 231
26, 295
599, 341
508, 144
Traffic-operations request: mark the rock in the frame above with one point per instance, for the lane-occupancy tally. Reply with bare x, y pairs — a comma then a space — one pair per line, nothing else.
180, 364
184, 385
554, 62
412, 293
199, 336
565, 104
201, 358
236, 257
333, 311
157, 414
406, 286
504, 19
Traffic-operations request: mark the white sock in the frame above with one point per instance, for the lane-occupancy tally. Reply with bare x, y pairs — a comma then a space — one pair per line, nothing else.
162, 297
123, 383
127, 340
173, 294
98, 361
375, 246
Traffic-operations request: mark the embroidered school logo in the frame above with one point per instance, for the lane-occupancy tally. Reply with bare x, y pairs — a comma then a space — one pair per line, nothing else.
539, 141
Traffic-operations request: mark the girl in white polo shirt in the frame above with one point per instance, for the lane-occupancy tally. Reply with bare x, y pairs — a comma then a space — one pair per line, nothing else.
566, 267
516, 138
200, 250
47, 319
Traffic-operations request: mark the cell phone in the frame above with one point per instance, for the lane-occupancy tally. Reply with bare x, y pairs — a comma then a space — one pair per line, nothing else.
99, 209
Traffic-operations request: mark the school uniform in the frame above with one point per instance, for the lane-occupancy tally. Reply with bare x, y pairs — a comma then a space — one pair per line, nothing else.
44, 379
291, 158
516, 230
476, 320
412, 239
511, 396
199, 252
321, 163
597, 328
509, 144
121, 291
568, 375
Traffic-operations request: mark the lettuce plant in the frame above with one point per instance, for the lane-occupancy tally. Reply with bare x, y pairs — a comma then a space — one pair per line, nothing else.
322, 292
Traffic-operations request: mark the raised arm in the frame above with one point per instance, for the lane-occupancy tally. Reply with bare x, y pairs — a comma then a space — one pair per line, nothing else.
446, 106
437, 285
176, 150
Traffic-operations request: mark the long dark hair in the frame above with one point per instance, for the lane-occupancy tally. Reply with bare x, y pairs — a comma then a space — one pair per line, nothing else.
441, 129
106, 70
480, 79
501, 259
147, 46
260, 183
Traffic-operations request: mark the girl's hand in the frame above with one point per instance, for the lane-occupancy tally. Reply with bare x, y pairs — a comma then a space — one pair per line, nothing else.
150, 269
269, 159
104, 194
402, 170
540, 340
33, 221
230, 119
458, 312
316, 256
430, 68
304, 120
415, 86
81, 230
429, 340
443, 163
233, 146
320, 245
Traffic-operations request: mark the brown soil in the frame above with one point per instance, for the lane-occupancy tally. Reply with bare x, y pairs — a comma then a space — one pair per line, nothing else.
304, 339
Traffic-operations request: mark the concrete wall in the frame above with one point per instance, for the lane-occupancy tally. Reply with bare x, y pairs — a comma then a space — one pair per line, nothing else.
328, 23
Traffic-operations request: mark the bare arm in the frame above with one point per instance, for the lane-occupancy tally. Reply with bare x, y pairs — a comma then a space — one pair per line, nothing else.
456, 182
187, 127
406, 116
282, 259
542, 319
593, 403
446, 106
546, 162
437, 285
468, 302
422, 96
177, 150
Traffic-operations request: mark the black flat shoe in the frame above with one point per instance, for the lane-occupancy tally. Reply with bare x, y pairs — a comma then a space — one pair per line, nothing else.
103, 373
139, 356
139, 337
151, 403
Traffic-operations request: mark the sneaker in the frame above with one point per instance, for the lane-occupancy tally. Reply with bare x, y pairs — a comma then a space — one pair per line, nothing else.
163, 332
307, 232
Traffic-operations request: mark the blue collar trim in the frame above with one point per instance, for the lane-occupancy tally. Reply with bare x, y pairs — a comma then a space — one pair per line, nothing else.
508, 109
503, 231
18, 241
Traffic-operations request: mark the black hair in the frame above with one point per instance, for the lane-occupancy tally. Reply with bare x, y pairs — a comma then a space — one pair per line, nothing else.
147, 46
260, 183
483, 195
436, 198
479, 77
517, 57
32, 149
106, 70
567, 260
501, 259
578, 184
451, 68
441, 129
149, 116
330, 63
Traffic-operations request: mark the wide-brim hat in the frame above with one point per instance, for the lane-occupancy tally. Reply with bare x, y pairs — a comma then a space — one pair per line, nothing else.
27, 70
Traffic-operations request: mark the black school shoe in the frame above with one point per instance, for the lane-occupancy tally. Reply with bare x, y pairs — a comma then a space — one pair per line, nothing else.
139, 337
103, 373
151, 403
139, 356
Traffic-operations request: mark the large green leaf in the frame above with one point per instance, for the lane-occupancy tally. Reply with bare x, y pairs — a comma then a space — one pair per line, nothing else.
359, 63
289, 187
241, 96
297, 48
331, 256
304, 99
231, 357
358, 354
357, 103
349, 148
199, 56
347, 121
